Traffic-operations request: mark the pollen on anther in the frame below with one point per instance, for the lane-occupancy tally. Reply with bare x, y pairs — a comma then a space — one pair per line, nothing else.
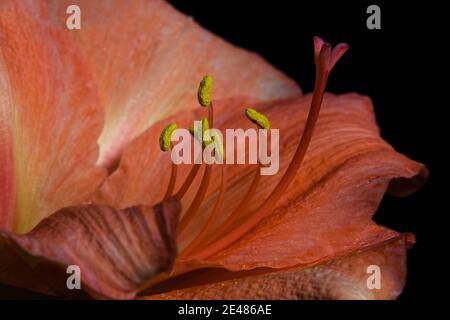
204, 91
257, 118
166, 135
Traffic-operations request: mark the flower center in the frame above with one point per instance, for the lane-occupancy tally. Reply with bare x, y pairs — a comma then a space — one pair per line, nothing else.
325, 58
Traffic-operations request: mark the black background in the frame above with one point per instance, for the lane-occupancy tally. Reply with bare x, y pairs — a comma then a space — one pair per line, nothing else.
390, 65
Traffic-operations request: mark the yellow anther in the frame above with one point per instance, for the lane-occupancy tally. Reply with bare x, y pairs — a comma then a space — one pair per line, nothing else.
204, 91
257, 118
166, 135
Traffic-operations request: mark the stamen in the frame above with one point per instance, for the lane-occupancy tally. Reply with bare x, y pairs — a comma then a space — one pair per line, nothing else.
325, 59
204, 98
195, 205
219, 149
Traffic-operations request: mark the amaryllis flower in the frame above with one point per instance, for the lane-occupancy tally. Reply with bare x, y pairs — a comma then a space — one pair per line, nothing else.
84, 182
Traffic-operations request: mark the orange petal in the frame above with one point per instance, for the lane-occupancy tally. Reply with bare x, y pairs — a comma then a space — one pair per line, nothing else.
326, 211
116, 251
148, 59
49, 121
350, 277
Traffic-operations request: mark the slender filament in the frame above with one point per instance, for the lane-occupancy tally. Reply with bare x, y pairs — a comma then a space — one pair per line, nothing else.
172, 181
212, 217
187, 183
